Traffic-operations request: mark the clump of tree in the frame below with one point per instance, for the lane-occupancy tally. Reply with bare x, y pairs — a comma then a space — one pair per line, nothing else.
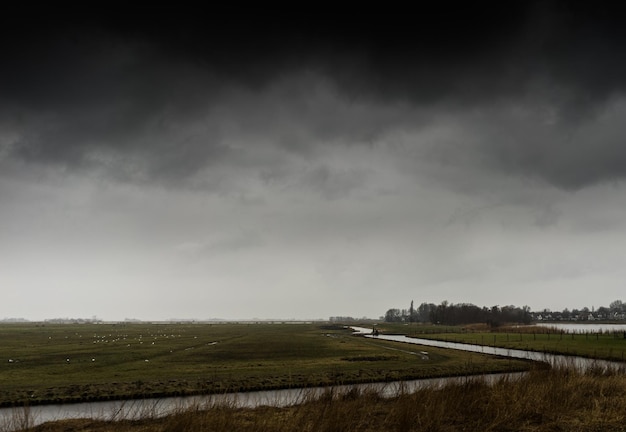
462, 313
421, 314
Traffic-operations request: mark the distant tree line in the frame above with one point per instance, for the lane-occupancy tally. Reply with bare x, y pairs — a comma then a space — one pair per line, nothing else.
461, 313
349, 319
467, 313
615, 311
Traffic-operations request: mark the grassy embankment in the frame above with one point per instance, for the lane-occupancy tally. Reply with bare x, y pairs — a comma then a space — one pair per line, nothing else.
70, 363
548, 400
607, 346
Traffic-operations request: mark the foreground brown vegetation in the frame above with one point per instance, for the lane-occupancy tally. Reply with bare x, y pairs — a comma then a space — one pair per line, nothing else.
553, 400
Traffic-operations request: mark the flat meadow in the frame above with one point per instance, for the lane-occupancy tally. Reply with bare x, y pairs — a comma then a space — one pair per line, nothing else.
55, 363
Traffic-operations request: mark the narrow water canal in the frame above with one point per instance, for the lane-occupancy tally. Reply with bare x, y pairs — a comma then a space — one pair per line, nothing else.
580, 363
16, 418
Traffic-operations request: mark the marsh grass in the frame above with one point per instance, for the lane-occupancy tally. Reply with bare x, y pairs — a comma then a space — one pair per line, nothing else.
20, 419
544, 400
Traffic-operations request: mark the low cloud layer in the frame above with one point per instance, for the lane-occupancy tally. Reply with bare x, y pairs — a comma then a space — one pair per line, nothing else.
431, 154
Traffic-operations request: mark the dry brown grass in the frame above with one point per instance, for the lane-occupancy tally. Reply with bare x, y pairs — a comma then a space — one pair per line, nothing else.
554, 400
483, 327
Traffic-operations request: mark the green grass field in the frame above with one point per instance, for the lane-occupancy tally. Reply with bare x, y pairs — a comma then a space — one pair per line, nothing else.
62, 363
599, 346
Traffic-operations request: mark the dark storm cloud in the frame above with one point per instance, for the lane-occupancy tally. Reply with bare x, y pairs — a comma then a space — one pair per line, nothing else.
160, 93
68, 96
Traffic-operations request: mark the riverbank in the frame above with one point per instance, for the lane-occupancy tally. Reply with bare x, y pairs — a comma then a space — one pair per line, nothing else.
608, 346
142, 408
542, 401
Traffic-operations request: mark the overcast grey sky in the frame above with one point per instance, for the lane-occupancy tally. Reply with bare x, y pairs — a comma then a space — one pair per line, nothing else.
170, 163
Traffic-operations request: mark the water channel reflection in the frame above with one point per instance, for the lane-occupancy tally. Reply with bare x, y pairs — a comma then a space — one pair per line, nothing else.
580, 363
141, 408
